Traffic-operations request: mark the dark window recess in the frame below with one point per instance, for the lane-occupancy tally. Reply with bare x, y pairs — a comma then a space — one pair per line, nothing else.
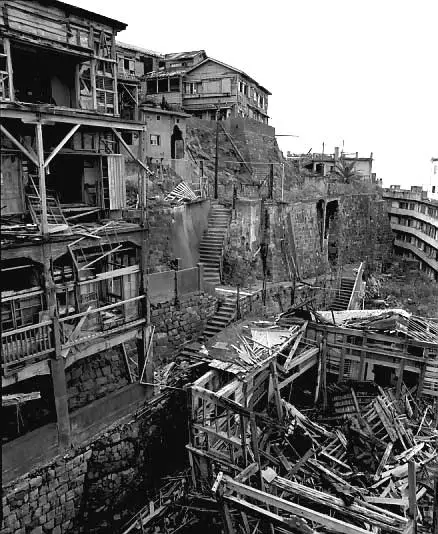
151, 87
320, 219
174, 84
148, 64
163, 85
161, 64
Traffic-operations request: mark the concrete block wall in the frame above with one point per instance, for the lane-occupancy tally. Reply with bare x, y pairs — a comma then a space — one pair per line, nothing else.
176, 323
94, 377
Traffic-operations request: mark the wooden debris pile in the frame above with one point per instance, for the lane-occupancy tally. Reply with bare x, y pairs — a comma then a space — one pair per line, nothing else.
182, 192
375, 467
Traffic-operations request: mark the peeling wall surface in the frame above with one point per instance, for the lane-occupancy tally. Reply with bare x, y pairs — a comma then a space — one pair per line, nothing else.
188, 225
175, 232
296, 234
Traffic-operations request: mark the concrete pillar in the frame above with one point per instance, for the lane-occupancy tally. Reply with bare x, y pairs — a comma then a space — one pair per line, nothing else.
200, 277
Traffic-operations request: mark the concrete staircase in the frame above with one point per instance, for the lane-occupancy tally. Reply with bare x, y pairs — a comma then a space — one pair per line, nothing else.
342, 299
212, 243
220, 320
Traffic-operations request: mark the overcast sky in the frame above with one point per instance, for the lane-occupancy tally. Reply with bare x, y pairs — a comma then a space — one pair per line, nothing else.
360, 72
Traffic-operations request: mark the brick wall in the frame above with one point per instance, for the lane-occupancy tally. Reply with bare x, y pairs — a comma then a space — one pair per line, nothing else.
95, 377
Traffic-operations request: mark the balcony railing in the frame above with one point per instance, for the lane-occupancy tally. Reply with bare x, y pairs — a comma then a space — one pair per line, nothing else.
26, 343
97, 322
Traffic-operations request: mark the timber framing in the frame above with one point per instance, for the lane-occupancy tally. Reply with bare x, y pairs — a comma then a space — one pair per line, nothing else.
44, 115
83, 280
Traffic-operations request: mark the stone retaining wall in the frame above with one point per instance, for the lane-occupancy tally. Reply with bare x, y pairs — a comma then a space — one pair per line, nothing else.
178, 322
94, 489
94, 377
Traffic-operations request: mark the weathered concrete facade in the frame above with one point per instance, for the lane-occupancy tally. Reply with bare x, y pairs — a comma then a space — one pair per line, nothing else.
414, 221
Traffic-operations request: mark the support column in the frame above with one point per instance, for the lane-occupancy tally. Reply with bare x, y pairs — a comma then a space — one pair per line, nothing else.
145, 358
42, 178
57, 363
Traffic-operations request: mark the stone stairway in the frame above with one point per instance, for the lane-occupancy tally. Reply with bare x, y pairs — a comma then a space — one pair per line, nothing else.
220, 320
342, 299
212, 243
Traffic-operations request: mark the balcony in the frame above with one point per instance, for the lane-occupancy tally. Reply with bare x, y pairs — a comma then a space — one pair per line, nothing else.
416, 232
26, 345
414, 214
433, 264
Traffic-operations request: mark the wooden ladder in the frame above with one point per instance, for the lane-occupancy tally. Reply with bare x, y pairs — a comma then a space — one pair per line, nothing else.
55, 215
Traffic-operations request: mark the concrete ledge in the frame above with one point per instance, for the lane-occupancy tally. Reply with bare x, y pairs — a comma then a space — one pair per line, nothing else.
41, 445
26, 452
95, 417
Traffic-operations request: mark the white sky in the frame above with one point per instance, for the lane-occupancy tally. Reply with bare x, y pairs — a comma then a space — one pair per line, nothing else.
362, 72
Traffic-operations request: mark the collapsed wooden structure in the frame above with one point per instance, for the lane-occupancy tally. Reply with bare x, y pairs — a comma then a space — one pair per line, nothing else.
274, 469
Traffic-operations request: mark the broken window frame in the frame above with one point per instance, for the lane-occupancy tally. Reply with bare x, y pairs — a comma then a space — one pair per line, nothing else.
6, 81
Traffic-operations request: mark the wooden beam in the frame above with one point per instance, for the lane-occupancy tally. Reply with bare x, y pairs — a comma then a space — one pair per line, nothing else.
33, 158
412, 490
7, 45
130, 152
42, 178
336, 525
277, 397
111, 339
77, 117
61, 144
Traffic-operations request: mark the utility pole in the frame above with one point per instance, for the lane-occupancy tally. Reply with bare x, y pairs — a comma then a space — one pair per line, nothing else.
216, 159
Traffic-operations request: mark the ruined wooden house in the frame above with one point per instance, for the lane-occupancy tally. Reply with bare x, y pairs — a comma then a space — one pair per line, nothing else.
71, 265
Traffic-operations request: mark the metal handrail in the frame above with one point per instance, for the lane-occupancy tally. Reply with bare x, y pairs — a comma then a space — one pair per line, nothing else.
356, 283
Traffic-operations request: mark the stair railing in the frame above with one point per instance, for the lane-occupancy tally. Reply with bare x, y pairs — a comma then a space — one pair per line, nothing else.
357, 281
221, 264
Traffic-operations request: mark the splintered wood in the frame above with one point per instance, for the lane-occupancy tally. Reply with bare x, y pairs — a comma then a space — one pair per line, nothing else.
366, 464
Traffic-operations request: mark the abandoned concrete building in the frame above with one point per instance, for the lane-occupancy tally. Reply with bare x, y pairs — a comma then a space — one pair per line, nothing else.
182, 306
340, 162
414, 221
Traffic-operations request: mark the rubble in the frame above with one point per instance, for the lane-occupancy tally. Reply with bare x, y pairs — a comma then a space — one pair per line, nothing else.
364, 462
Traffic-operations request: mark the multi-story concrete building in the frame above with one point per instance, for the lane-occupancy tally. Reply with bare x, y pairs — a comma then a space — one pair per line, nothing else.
432, 184
205, 88
414, 221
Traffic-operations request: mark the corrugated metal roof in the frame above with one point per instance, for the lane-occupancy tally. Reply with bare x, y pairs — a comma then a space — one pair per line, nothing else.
165, 73
136, 48
183, 55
